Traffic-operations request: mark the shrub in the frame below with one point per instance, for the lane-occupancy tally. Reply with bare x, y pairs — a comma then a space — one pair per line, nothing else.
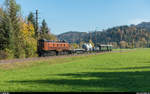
6, 54
3, 54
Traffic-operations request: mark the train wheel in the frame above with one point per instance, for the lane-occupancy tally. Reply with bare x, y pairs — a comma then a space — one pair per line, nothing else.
45, 54
39, 54
52, 53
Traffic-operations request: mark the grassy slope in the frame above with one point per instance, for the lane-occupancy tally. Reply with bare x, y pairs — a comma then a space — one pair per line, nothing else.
108, 72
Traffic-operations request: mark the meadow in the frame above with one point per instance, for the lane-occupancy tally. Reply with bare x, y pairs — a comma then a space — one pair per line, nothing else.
109, 72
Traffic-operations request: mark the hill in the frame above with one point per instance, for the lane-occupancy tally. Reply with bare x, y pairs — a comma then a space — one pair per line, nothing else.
120, 36
72, 36
145, 25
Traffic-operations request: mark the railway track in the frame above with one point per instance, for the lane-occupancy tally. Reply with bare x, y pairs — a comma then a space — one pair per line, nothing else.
52, 57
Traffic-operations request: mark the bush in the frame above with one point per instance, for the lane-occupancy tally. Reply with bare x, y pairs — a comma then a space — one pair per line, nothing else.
3, 55
6, 54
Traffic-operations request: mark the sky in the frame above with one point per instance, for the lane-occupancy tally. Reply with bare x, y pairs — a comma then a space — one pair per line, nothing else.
87, 15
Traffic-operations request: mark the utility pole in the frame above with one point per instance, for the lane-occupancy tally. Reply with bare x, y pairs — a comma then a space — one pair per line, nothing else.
37, 27
80, 41
89, 36
90, 33
96, 36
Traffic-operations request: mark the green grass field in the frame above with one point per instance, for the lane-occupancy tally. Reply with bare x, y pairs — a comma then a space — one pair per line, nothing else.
110, 72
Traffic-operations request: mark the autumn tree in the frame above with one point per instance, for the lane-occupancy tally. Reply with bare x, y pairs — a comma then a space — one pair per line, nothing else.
123, 44
90, 41
29, 42
74, 46
81, 44
114, 44
144, 42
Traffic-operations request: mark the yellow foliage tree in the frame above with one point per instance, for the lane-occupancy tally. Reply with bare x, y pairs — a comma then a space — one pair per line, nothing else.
123, 44
74, 46
91, 42
30, 43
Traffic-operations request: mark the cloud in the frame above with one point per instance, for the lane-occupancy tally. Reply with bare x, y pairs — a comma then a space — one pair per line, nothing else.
138, 20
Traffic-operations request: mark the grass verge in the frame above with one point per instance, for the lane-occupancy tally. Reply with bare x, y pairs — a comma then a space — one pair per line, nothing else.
123, 72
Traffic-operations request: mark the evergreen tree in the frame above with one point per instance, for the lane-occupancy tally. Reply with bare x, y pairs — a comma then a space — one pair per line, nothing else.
45, 32
2, 32
31, 19
13, 11
5, 30
44, 28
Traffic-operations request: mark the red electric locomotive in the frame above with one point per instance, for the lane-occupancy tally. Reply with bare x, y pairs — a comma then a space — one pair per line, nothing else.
51, 48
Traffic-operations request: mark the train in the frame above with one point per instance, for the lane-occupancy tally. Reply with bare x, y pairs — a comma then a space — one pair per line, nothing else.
55, 48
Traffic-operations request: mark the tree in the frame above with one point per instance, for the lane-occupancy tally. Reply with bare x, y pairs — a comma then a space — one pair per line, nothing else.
45, 32
90, 41
48, 36
31, 19
44, 28
13, 10
81, 44
5, 34
74, 46
137, 44
121, 34
114, 44
144, 42
123, 44
2, 31
29, 42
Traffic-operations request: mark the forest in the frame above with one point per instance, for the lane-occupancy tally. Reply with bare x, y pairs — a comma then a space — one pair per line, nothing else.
133, 36
18, 34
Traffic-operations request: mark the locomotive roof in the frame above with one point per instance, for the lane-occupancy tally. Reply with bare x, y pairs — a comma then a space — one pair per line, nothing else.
44, 40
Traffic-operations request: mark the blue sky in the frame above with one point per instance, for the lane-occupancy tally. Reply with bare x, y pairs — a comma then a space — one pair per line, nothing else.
86, 15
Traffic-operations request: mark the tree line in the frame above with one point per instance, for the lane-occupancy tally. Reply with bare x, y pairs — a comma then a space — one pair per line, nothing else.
18, 35
120, 37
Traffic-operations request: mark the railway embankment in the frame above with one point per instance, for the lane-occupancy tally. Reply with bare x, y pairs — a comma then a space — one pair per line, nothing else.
55, 57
